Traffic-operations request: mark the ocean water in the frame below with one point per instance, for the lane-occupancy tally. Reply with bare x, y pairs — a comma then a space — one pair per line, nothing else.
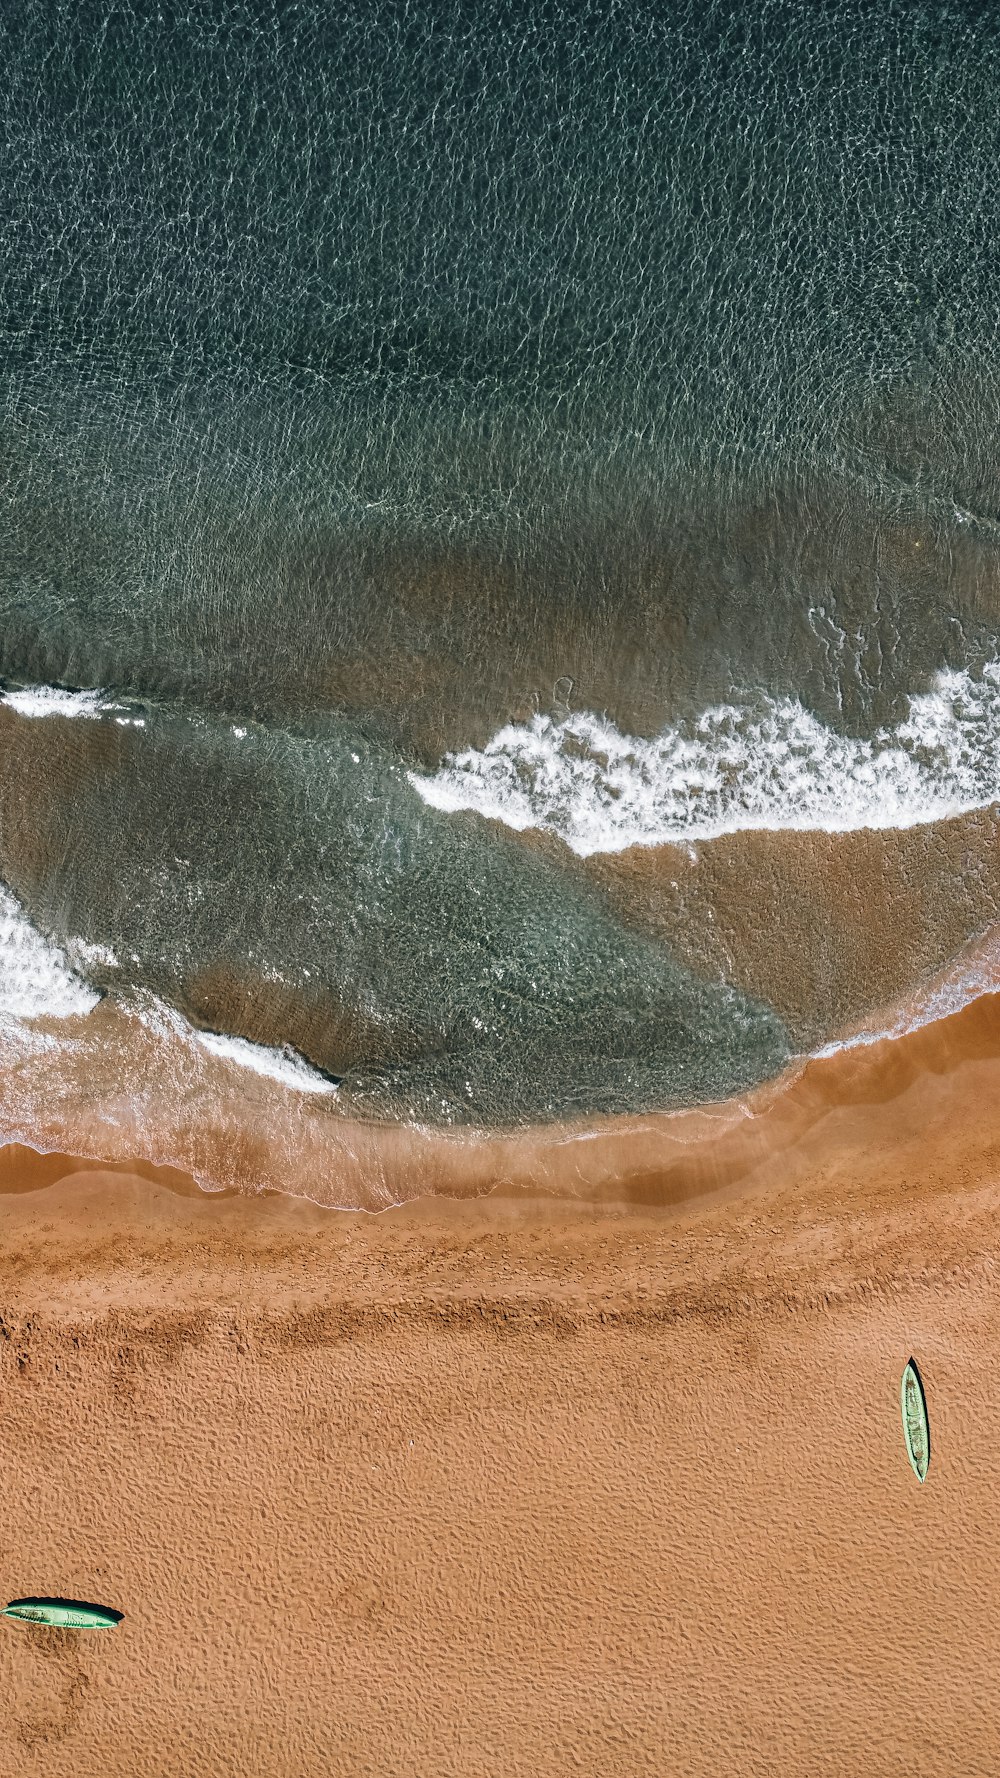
465, 473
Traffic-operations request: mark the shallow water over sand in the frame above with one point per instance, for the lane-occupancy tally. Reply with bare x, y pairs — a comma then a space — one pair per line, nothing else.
122, 1090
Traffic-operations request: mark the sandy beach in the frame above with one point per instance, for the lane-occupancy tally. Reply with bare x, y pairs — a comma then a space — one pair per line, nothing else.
516, 1485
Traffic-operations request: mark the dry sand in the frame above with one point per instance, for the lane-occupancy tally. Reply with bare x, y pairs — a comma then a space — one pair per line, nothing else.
517, 1487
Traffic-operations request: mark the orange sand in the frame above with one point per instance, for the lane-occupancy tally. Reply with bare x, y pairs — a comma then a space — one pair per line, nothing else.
519, 1487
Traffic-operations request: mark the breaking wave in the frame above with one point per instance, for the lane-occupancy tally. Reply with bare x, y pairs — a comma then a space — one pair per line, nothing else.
36, 980
54, 700
282, 1065
766, 765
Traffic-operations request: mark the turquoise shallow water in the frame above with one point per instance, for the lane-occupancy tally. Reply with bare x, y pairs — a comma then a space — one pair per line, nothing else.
376, 382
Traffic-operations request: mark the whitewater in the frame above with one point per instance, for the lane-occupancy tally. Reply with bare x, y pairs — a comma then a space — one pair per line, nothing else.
766, 763
39, 983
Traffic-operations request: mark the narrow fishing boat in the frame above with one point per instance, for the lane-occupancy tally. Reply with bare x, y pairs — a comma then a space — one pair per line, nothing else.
64, 1614
916, 1430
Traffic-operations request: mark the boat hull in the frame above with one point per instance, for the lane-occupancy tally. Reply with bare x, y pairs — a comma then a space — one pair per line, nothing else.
916, 1428
63, 1614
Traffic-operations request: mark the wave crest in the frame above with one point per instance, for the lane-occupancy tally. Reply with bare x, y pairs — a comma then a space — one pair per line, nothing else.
766, 765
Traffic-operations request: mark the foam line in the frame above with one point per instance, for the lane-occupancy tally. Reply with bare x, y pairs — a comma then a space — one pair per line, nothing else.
277, 1064
53, 700
767, 765
36, 980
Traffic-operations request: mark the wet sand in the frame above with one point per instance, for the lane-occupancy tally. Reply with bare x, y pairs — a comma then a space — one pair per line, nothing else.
518, 1486
222, 1126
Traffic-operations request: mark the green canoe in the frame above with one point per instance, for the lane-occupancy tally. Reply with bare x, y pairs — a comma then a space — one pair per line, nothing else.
915, 1428
64, 1614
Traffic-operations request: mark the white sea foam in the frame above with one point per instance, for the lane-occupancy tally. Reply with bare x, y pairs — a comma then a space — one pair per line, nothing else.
282, 1065
52, 700
36, 980
279, 1064
735, 768
87, 956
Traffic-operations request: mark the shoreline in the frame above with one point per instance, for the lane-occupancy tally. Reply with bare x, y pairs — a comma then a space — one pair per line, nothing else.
515, 1484
869, 1086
